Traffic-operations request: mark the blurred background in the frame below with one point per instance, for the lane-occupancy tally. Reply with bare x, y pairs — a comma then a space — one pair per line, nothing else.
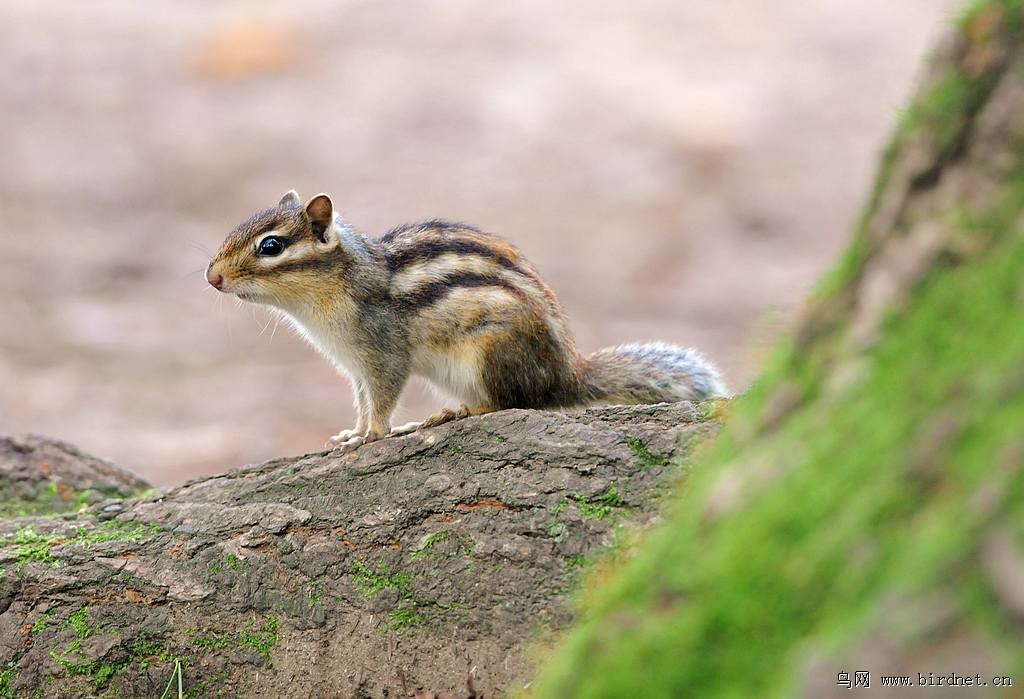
682, 171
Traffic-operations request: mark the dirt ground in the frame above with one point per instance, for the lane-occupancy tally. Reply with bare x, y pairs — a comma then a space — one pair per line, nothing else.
677, 171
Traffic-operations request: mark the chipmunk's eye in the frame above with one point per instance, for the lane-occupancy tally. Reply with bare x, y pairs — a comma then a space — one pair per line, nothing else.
271, 246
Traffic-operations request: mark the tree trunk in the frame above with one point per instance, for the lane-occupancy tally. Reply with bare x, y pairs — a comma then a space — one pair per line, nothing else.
406, 563
863, 509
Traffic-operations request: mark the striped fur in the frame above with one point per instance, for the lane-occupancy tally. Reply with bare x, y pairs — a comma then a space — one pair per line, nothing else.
440, 300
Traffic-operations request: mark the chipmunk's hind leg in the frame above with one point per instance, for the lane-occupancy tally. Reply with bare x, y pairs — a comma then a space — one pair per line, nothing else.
442, 416
448, 415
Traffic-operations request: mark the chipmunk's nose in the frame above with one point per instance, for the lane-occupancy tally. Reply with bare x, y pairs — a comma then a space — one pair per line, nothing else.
216, 279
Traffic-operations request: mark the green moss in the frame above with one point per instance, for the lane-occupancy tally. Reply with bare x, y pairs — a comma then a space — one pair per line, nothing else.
233, 562
430, 542
314, 593
79, 623
39, 624
145, 649
600, 507
942, 113
36, 547
562, 505
973, 11
404, 617
71, 659
945, 110
462, 545
212, 642
643, 455
209, 687
7, 677
113, 530
605, 503
230, 562
866, 491
100, 674
371, 582
261, 640
46, 498
942, 110
213, 569
410, 610
780, 570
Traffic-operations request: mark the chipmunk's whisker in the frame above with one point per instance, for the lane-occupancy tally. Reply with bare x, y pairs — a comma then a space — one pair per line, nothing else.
200, 248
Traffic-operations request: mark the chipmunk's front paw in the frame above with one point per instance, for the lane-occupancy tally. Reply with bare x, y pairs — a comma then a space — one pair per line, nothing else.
348, 440
341, 438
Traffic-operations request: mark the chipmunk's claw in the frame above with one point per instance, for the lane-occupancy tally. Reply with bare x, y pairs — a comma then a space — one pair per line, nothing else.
350, 444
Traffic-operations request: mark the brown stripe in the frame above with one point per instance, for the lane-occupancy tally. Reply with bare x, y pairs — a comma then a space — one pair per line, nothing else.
436, 224
430, 249
430, 294
323, 263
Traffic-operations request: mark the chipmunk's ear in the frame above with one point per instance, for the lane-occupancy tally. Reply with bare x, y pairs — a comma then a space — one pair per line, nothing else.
290, 200
321, 214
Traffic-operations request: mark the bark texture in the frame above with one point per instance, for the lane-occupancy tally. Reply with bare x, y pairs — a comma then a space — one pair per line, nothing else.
406, 563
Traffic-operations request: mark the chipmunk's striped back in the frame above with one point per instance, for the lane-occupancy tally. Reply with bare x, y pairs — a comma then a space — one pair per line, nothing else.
474, 296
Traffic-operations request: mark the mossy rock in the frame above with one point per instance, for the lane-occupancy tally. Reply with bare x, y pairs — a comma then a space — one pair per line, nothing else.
863, 510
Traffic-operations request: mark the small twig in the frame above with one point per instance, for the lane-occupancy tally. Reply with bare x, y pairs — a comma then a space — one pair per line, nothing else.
401, 678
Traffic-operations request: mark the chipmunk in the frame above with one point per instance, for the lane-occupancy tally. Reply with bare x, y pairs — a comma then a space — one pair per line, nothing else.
439, 300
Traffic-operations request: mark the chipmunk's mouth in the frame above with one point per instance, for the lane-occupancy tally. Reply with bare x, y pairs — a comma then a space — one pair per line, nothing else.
235, 289
241, 289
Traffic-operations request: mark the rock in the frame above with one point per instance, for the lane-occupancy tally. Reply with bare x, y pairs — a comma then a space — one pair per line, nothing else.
405, 560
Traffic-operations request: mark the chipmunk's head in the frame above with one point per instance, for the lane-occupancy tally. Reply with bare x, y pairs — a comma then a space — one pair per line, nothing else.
278, 256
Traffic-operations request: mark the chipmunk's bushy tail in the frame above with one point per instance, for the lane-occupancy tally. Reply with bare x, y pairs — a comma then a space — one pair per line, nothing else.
651, 373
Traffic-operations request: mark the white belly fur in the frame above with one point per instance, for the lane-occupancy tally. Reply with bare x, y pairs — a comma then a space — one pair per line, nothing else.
455, 371
331, 345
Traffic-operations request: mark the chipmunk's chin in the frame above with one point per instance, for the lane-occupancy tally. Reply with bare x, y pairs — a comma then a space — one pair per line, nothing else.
243, 291
254, 297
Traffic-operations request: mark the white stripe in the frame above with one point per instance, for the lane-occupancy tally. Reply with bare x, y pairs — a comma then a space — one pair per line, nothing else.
419, 274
